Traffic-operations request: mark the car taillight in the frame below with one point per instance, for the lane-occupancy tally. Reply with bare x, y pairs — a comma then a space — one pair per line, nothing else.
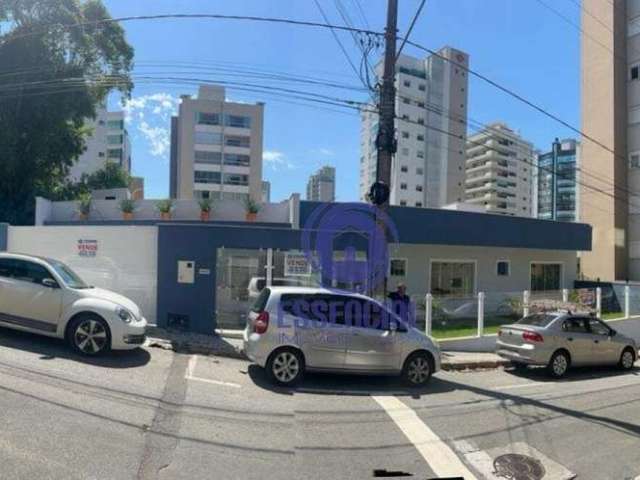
532, 336
261, 323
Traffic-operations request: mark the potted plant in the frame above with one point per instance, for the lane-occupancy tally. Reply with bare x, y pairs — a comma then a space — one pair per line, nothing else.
252, 208
84, 205
127, 207
165, 207
205, 209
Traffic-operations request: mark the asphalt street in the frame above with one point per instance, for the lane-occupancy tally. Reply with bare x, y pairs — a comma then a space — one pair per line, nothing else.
156, 414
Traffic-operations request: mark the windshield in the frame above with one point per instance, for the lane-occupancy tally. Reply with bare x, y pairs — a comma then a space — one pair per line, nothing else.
69, 277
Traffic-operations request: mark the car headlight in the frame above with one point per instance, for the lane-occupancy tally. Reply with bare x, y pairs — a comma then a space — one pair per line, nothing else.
124, 314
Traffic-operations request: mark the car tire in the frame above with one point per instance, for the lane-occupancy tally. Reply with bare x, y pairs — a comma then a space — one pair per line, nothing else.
627, 359
559, 364
89, 335
286, 366
417, 369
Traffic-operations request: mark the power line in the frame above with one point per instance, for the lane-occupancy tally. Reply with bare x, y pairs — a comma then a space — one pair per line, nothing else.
587, 12
413, 22
337, 39
478, 75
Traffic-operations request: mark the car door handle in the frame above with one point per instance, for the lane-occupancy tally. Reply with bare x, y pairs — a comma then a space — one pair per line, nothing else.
596, 341
570, 339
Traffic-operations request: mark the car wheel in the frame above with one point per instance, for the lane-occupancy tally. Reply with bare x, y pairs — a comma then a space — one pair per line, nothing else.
559, 364
89, 335
417, 369
627, 359
286, 366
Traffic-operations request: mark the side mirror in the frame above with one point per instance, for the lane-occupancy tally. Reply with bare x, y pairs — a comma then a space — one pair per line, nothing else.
393, 326
612, 333
50, 282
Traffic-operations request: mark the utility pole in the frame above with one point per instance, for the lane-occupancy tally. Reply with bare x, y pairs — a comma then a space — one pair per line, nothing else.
385, 140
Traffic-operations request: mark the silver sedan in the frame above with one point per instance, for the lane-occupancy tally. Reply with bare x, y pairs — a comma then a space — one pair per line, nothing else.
559, 340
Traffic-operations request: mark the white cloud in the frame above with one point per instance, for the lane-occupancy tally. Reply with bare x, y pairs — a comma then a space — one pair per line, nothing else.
327, 152
150, 117
276, 160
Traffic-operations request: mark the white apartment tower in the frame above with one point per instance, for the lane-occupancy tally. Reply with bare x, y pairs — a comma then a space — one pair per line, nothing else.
431, 118
216, 147
499, 171
108, 142
321, 186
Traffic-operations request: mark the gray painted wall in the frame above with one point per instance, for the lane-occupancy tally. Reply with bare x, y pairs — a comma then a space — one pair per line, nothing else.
4, 236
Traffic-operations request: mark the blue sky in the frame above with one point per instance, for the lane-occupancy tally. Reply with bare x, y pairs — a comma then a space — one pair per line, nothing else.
518, 43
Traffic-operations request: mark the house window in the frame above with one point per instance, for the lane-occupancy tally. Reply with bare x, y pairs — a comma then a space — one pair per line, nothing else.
208, 157
420, 154
418, 204
101, 154
405, 151
419, 171
421, 138
405, 134
503, 268
403, 186
398, 267
406, 101
403, 203
238, 121
404, 168
114, 139
453, 278
422, 87
634, 159
208, 138
418, 188
635, 72
115, 124
407, 83
420, 121
545, 276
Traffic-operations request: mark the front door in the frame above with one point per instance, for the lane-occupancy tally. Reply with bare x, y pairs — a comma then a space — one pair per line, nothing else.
24, 300
605, 350
371, 345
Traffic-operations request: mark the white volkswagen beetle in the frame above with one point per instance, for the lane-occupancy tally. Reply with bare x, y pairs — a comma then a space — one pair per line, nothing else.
45, 296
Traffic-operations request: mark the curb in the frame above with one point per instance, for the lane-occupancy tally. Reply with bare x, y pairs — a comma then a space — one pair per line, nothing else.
190, 347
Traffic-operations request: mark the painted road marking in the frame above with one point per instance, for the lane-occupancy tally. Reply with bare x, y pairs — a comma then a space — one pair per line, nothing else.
520, 385
441, 459
191, 368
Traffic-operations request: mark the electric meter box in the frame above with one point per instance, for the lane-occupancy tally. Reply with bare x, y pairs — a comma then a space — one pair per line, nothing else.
186, 271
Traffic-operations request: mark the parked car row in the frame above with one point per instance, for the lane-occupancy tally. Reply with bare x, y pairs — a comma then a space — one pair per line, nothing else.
294, 329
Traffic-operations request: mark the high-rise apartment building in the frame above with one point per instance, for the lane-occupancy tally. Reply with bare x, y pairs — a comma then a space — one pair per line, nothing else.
557, 177
431, 117
499, 170
266, 191
216, 147
321, 186
610, 73
108, 142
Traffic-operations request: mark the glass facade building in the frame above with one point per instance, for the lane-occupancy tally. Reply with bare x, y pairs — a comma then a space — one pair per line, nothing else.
557, 192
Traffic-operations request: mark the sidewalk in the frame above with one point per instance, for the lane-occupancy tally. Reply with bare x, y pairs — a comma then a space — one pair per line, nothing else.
232, 347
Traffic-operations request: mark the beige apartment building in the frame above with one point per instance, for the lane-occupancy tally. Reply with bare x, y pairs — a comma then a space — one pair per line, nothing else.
499, 171
611, 117
216, 147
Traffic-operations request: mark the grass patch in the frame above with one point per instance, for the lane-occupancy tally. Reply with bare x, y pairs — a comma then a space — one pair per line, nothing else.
612, 315
468, 327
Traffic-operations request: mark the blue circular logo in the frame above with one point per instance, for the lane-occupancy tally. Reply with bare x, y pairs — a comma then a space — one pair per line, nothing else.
347, 243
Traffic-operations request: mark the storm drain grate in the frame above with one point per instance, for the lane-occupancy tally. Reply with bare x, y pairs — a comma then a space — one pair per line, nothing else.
514, 466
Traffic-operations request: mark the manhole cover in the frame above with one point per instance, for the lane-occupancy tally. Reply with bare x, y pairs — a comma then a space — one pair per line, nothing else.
514, 466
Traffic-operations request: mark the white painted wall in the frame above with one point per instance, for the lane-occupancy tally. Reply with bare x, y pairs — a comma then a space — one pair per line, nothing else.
126, 261
101, 210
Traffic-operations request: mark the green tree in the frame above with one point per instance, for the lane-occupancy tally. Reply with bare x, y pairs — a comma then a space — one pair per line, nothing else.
58, 61
111, 176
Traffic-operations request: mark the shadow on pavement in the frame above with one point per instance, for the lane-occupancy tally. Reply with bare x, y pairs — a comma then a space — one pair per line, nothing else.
348, 385
576, 374
51, 348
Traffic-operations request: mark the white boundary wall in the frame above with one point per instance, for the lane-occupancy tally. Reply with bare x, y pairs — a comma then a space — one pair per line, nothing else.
125, 261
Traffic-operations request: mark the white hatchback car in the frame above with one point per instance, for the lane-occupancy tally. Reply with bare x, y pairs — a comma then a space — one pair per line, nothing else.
293, 329
45, 296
